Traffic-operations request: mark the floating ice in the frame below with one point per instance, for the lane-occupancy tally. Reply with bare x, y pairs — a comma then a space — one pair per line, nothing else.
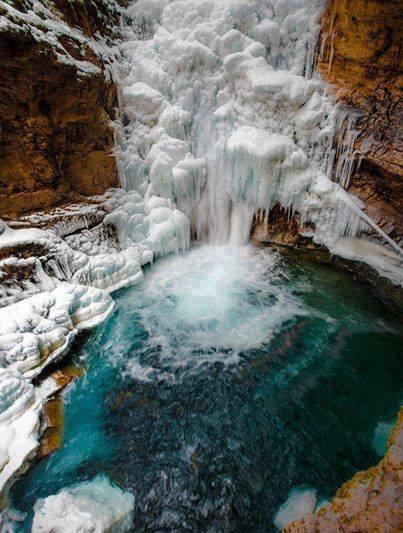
301, 502
91, 506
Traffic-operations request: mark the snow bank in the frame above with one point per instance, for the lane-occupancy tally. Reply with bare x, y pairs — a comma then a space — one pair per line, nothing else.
92, 506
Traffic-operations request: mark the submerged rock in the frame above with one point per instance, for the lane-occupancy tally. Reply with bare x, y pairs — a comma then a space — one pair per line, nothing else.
91, 506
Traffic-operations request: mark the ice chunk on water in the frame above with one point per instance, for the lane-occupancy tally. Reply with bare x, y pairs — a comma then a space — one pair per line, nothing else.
92, 506
301, 502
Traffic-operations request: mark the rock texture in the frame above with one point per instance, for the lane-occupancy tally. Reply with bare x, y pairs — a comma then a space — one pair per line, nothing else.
52, 416
279, 228
370, 502
361, 58
56, 138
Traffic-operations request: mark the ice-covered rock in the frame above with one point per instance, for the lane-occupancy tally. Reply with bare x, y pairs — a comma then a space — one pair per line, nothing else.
79, 255
93, 506
20, 408
39, 329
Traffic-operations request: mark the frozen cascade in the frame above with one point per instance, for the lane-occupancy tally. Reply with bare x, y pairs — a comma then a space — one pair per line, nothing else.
223, 115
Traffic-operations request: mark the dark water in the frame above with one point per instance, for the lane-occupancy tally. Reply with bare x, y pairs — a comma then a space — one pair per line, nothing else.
224, 380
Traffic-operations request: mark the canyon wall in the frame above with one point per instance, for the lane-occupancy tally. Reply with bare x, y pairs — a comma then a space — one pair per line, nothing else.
361, 58
56, 103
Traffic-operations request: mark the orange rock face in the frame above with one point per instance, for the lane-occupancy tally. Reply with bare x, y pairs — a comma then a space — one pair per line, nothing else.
56, 140
370, 502
362, 61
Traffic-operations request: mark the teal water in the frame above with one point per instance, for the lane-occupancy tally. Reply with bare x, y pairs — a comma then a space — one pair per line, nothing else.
227, 378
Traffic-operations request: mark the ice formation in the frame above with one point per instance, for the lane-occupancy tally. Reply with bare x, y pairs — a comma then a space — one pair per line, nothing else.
82, 254
92, 506
38, 330
224, 115
33, 333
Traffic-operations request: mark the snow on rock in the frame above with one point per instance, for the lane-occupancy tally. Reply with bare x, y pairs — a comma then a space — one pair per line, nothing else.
20, 408
44, 23
91, 506
103, 246
38, 330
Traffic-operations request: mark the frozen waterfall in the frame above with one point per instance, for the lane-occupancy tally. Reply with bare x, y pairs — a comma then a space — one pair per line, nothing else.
223, 115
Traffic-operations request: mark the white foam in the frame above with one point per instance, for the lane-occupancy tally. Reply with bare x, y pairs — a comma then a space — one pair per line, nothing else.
201, 302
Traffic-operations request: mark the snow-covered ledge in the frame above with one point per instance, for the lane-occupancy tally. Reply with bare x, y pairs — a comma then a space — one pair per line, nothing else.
33, 333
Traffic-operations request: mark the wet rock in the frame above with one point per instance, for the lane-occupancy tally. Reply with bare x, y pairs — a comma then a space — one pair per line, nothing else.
52, 416
279, 228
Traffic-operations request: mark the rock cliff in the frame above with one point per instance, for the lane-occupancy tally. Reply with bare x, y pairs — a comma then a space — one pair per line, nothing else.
57, 100
361, 58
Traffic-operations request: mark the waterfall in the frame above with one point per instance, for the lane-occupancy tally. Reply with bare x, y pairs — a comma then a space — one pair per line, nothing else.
224, 115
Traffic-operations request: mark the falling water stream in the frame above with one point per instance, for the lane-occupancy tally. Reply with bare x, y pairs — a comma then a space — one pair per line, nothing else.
228, 377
